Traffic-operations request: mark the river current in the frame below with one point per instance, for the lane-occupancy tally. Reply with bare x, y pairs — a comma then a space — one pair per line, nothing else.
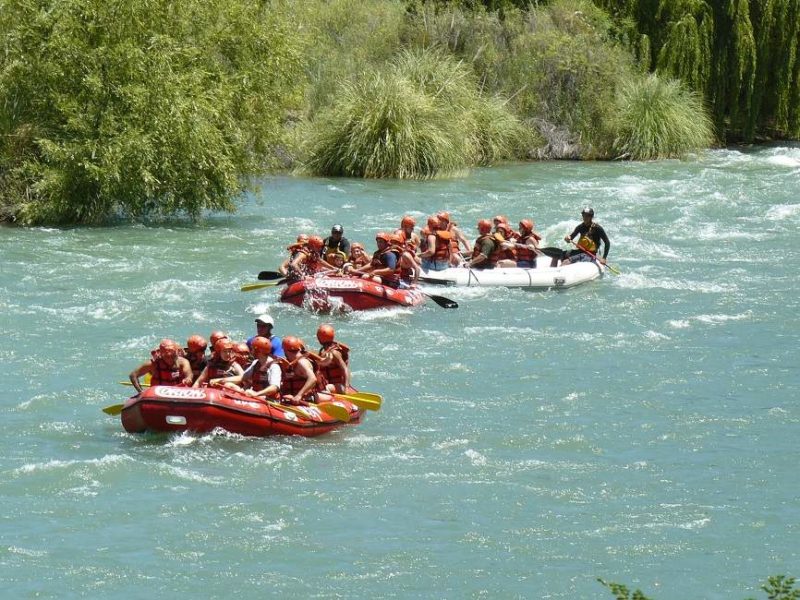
641, 428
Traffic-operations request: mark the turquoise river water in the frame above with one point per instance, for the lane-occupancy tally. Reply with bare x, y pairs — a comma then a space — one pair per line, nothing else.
641, 428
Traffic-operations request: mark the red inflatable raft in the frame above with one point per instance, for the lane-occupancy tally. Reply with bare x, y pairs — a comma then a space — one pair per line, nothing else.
329, 293
163, 408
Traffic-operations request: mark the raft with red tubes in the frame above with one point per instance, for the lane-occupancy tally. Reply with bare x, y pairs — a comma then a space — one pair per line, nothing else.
324, 294
168, 409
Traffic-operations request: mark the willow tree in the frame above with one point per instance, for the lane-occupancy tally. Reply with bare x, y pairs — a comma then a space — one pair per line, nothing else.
742, 55
138, 107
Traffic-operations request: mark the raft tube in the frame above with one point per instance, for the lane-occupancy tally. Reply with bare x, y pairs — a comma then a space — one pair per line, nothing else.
321, 294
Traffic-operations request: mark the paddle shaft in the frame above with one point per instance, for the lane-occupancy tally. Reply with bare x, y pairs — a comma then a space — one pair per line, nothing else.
594, 256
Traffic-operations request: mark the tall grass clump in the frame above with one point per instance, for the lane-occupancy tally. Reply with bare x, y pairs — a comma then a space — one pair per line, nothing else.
383, 126
422, 116
660, 118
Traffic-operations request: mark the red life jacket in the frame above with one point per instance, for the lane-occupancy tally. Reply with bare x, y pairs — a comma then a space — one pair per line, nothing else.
260, 376
196, 360
333, 372
526, 253
164, 374
292, 383
377, 263
218, 368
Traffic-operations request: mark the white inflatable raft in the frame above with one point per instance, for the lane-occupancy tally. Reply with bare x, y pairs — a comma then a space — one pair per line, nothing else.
538, 278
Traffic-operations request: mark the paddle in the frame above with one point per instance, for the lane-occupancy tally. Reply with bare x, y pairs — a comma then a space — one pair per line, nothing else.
114, 409
270, 275
597, 260
249, 287
365, 403
441, 300
340, 413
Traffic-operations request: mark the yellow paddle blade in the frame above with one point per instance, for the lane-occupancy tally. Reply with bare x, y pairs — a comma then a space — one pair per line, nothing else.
340, 413
365, 403
114, 409
249, 287
368, 396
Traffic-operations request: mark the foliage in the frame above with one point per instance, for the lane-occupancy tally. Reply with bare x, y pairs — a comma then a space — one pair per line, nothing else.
741, 54
138, 107
421, 118
621, 592
660, 119
778, 587
343, 39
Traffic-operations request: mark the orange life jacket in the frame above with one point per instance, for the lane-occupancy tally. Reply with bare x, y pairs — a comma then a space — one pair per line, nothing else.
377, 263
499, 253
218, 368
444, 241
476, 249
333, 373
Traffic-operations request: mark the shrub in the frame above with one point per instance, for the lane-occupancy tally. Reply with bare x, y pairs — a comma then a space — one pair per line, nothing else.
660, 118
138, 107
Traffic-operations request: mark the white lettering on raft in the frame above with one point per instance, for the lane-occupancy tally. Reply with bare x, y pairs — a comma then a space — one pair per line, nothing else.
163, 391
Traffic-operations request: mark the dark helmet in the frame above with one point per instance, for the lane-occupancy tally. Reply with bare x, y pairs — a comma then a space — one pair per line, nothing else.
337, 229
588, 210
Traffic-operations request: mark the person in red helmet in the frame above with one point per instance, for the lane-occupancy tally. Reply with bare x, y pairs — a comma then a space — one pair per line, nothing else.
309, 259
215, 337
299, 380
166, 367
458, 239
383, 268
436, 246
242, 354
335, 363
358, 256
527, 245
408, 267
505, 251
262, 378
222, 363
294, 251
484, 247
195, 353
407, 224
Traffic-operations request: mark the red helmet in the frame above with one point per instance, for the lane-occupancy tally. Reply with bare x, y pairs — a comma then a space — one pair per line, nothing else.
325, 334
261, 344
315, 243
196, 343
223, 344
484, 226
504, 227
383, 236
443, 216
407, 221
433, 223
499, 219
216, 336
526, 225
292, 343
168, 346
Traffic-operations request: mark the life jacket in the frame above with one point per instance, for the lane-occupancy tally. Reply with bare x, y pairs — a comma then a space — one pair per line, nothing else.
586, 242
525, 253
260, 376
476, 249
218, 368
333, 372
291, 383
361, 261
377, 263
500, 253
443, 249
163, 373
196, 360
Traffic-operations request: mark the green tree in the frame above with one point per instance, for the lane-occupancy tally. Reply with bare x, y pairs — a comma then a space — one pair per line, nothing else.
138, 107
